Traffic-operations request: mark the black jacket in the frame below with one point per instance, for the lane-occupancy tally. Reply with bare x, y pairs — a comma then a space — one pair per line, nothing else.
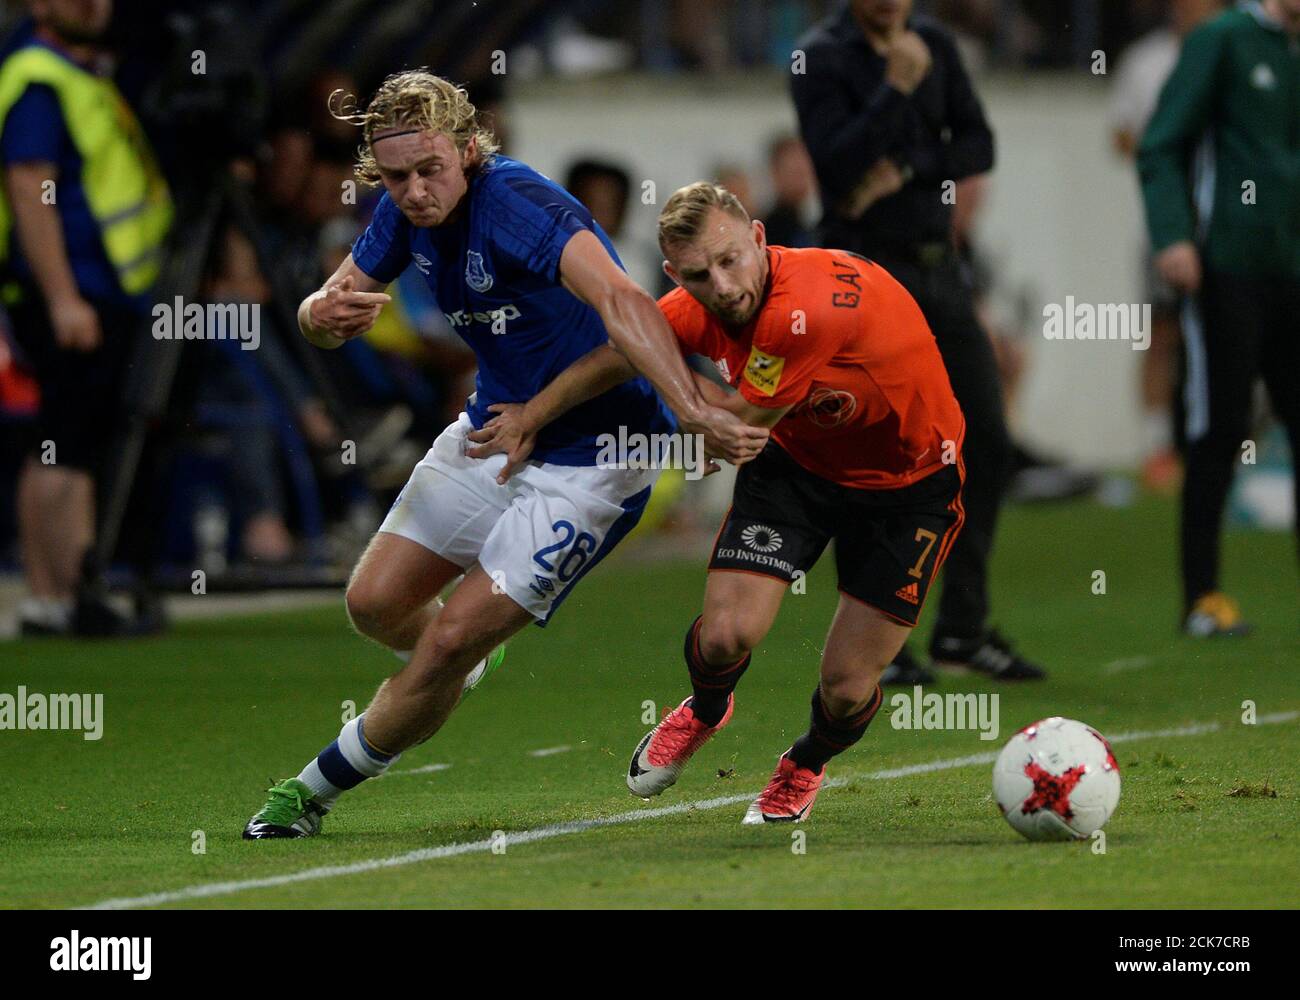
850, 117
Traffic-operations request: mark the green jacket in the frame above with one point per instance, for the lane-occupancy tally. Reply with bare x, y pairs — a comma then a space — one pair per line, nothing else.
1226, 133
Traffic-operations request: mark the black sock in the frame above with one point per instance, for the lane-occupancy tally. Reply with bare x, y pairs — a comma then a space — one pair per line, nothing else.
713, 685
827, 737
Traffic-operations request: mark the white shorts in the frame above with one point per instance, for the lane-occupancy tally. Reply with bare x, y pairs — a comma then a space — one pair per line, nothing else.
536, 536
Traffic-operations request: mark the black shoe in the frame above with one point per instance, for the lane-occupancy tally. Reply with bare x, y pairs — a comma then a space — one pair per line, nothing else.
1035, 478
94, 617
39, 618
906, 671
1042, 483
986, 654
29, 628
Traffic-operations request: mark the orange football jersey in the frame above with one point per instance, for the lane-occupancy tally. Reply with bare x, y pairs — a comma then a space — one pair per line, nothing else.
844, 344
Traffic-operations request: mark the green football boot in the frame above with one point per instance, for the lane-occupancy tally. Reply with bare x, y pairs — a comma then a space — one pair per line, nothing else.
289, 812
484, 668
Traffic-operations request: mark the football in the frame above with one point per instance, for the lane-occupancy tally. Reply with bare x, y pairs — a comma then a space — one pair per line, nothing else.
1056, 780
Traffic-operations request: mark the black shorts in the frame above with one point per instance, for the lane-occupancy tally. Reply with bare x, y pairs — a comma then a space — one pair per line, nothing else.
81, 391
889, 544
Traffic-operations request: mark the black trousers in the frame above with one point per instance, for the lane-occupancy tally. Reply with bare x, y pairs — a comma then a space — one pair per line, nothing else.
942, 288
80, 390
82, 410
1238, 330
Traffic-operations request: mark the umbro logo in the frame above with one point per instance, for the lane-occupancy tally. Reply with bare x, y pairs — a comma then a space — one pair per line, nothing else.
422, 263
911, 593
541, 585
723, 369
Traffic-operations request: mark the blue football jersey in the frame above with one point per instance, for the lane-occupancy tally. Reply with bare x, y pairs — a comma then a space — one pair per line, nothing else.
495, 272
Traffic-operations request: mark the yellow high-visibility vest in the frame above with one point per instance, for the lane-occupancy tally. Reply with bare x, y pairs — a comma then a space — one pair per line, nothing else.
124, 187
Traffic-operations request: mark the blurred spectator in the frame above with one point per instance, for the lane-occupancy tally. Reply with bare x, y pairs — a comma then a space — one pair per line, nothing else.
736, 179
1139, 78
233, 398
84, 218
699, 34
605, 189
793, 188
1225, 230
309, 157
1034, 477
730, 34
891, 119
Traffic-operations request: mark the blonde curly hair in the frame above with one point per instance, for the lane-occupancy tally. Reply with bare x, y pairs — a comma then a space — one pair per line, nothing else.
417, 99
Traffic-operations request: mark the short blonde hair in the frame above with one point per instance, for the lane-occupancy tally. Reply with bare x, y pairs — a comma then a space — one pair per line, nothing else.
685, 213
417, 99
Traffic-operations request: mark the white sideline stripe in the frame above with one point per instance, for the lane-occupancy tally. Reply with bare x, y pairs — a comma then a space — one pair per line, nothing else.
1132, 663
549, 751
427, 769
582, 825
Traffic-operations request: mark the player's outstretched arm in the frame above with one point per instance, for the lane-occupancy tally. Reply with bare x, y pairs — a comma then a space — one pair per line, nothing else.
638, 329
513, 431
595, 372
346, 306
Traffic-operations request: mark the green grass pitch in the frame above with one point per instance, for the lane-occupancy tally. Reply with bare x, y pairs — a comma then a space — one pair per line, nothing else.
197, 721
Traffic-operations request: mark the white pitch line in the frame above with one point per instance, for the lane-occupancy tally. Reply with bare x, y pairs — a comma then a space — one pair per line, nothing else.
595, 823
549, 751
1131, 663
427, 769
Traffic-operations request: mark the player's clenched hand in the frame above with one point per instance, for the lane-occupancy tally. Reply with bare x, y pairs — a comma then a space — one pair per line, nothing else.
1180, 265
345, 312
505, 434
908, 62
727, 436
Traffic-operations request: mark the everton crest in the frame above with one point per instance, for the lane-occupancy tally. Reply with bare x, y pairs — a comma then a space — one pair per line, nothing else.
476, 275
